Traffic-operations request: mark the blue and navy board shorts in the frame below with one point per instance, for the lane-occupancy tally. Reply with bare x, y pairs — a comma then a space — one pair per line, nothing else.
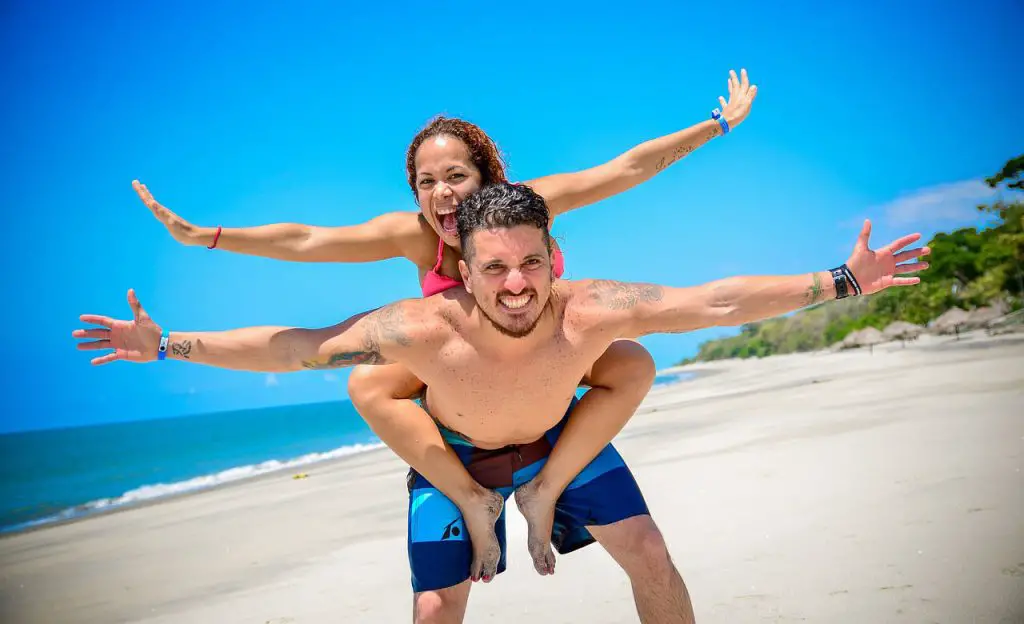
440, 552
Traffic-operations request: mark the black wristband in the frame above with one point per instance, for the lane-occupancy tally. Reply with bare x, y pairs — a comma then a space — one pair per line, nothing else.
841, 282
853, 280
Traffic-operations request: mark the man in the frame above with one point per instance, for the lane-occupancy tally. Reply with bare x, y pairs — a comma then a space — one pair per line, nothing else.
501, 361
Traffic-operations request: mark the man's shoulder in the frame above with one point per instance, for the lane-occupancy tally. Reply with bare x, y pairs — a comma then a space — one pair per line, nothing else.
581, 304
409, 321
617, 295
423, 319
609, 295
602, 302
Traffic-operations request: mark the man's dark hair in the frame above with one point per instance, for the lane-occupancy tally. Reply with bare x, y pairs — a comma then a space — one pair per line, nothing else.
501, 205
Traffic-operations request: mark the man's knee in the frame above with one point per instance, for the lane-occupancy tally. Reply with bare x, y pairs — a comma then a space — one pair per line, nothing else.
648, 552
652, 547
443, 606
429, 608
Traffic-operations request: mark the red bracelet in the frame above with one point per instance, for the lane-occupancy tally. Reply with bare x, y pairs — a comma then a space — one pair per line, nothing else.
216, 237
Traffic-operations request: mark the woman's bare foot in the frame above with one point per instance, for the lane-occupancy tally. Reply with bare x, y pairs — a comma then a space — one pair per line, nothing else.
480, 516
539, 510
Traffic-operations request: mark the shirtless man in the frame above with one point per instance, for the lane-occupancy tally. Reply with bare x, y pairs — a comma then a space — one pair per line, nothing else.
502, 359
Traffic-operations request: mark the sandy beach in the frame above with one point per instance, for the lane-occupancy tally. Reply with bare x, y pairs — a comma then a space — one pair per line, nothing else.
825, 487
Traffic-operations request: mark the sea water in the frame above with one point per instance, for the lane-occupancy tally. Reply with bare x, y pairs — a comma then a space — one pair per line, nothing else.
59, 474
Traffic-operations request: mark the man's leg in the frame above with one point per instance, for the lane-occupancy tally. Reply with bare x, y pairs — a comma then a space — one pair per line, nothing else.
440, 548
380, 395
441, 606
619, 380
440, 553
637, 545
604, 503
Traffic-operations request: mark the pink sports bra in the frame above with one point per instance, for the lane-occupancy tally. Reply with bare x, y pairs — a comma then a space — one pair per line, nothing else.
434, 282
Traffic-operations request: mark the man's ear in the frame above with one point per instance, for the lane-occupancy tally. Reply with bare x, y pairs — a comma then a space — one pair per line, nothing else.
464, 271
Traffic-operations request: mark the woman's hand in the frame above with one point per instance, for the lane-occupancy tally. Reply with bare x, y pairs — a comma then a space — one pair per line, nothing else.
741, 97
182, 231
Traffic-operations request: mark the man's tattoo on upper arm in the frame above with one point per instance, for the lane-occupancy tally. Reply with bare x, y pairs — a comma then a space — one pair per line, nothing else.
182, 349
814, 291
622, 295
383, 325
389, 325
342, 360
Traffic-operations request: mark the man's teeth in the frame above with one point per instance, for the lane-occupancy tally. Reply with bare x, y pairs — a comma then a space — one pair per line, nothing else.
515, 302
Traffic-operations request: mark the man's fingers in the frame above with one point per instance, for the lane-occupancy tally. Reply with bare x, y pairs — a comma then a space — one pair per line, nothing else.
105, 359
865, 234
136, 307
96, 319
905, 281
903, 241
744, 82
99, 334
910, 254
721, 100
753, 93
910, 267
94, 345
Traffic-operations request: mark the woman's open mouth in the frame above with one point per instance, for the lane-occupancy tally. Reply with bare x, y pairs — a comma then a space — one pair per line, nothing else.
446, 216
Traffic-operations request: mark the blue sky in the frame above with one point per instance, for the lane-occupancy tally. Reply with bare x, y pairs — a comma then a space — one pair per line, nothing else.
246, 115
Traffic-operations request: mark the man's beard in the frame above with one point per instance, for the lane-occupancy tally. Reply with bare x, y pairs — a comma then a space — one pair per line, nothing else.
512, 333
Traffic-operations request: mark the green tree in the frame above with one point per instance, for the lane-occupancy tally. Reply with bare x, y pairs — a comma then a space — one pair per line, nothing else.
1012, 171
968, 268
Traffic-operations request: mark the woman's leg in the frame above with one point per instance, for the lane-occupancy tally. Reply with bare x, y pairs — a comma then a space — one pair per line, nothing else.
381, 396
619, 381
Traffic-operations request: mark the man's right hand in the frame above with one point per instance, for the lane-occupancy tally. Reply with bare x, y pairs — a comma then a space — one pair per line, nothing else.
132, 341
182, 231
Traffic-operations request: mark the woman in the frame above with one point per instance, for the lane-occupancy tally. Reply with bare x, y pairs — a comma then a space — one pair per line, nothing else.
448, 160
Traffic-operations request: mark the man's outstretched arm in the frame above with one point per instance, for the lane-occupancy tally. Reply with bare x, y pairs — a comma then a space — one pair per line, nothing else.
650, 308
367, 338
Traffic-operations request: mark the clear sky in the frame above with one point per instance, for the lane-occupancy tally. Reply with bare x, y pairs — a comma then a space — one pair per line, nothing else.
242, 115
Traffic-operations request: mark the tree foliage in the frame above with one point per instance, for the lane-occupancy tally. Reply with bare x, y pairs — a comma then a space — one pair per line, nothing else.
968, 268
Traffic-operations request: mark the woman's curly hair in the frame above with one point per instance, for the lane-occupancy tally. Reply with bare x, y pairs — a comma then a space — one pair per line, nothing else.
482, 149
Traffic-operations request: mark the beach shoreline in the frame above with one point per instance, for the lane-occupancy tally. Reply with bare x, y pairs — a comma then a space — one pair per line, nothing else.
85, 511
832, 487
46, 523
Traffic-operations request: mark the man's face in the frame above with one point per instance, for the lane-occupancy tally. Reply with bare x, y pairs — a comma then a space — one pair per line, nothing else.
509, 275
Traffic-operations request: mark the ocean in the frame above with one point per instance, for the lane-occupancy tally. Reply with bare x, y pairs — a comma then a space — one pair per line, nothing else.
60, 474
65, 473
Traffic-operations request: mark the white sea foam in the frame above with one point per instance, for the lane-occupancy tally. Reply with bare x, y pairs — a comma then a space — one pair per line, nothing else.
160, 490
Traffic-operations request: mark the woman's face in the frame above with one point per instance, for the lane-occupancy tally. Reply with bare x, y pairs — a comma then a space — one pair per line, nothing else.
445, 175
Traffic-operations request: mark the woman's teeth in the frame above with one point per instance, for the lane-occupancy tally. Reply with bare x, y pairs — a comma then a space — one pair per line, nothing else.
449, 223
515, 303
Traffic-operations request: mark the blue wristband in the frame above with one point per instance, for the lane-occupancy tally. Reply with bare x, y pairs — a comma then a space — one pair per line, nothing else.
161, 352
717, 116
